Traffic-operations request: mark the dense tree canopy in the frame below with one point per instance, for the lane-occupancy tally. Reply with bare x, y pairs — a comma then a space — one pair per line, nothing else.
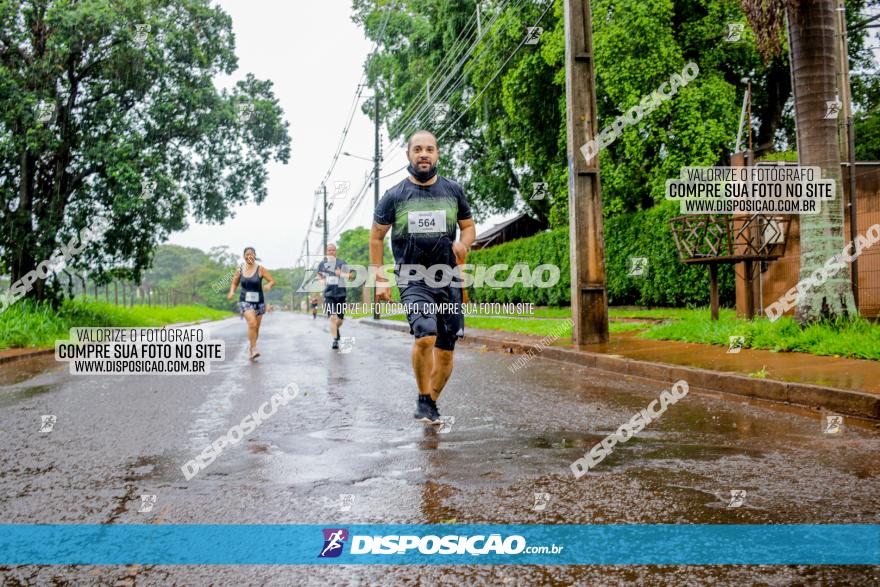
108, 109
499, 104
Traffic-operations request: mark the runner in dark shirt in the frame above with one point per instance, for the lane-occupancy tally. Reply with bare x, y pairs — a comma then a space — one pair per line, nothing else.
333, 273
425, 210
251, 302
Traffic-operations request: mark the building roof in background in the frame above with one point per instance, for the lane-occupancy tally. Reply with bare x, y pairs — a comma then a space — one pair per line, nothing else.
520, 226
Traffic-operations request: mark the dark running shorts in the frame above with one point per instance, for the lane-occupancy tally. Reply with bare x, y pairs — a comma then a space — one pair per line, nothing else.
260, 309
335, 307
447, 327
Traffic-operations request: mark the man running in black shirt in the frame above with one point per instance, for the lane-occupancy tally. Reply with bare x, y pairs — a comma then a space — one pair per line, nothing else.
425, 210
330, 272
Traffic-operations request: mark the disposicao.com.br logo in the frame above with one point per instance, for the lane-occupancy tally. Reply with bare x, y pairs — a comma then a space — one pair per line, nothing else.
334, 540
453, 544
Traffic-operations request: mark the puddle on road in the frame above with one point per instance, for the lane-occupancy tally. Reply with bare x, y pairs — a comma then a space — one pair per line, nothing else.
8, 398
24, 369
564, 441
697, 452
27, 378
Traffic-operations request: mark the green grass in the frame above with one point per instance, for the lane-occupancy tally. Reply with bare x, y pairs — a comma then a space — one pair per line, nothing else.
647, 313
551, 312
667, 313
859, 339
26, 324
539, 327
535, 326
555, 312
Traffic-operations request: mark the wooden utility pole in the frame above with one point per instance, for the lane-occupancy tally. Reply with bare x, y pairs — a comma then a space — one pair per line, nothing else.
376, 161
589, 296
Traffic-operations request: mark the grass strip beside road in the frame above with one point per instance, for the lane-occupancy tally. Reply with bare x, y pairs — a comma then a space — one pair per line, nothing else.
859, 339
519, 325
30, 325
538, 326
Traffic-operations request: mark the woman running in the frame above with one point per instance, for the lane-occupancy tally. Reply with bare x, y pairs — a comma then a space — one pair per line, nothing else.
251, 300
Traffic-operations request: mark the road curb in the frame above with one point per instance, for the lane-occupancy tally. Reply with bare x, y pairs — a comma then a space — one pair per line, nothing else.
26, 354
841, 401
31, 353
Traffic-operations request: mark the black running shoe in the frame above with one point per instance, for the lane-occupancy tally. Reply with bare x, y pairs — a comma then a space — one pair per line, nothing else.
437, 419
335, 344
426, 410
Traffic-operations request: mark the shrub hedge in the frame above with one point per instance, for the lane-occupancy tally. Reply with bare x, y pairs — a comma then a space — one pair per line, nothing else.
667, 282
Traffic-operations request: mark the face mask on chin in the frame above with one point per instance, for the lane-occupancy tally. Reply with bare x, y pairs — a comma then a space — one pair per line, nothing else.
422, 176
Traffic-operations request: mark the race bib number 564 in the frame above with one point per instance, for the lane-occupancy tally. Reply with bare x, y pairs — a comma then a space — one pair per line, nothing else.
427, 222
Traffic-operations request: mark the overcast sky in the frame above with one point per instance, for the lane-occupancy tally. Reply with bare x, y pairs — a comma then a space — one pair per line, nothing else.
314, 55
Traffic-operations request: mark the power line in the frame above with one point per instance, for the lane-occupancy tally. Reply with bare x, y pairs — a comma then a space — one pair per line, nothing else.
357, 97
393, 172
496, 74
441, 70
359, 197
474, 53
406, 121
356, 201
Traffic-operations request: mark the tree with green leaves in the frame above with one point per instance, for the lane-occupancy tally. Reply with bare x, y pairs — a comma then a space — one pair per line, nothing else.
513, 135
503, 125
108, 109
812, 36
354, 248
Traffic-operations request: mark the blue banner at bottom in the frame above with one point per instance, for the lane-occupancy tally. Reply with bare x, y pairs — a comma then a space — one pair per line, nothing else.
452, 544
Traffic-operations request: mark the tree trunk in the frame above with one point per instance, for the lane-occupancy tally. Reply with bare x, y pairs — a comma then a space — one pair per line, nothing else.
23, 259
778, 90
812, 27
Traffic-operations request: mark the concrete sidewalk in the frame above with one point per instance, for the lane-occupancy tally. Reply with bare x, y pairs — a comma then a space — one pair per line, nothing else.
845, 386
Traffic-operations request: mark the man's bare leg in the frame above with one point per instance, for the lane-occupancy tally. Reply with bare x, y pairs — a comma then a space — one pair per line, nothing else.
334, 326
441, 371
423, 363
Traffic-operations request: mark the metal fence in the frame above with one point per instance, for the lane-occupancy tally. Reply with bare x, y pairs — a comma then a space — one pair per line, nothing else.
781, 275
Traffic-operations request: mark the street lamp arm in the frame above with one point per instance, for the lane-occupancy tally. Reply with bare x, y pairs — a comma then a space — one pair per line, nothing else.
347, 154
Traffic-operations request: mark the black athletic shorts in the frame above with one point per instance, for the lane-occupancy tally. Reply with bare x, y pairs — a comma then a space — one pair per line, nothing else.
425, 321
335, 307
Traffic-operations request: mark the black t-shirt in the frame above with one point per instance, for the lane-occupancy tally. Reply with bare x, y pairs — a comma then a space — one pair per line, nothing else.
334, 285
424, 220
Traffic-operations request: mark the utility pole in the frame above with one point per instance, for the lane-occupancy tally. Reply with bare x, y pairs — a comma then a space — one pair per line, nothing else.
479, 20
589, 296
376, 159
325, 218
847, 136
484, 99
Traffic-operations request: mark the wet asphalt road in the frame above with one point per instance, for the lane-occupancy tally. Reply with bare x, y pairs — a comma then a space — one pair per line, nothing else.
350, 431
